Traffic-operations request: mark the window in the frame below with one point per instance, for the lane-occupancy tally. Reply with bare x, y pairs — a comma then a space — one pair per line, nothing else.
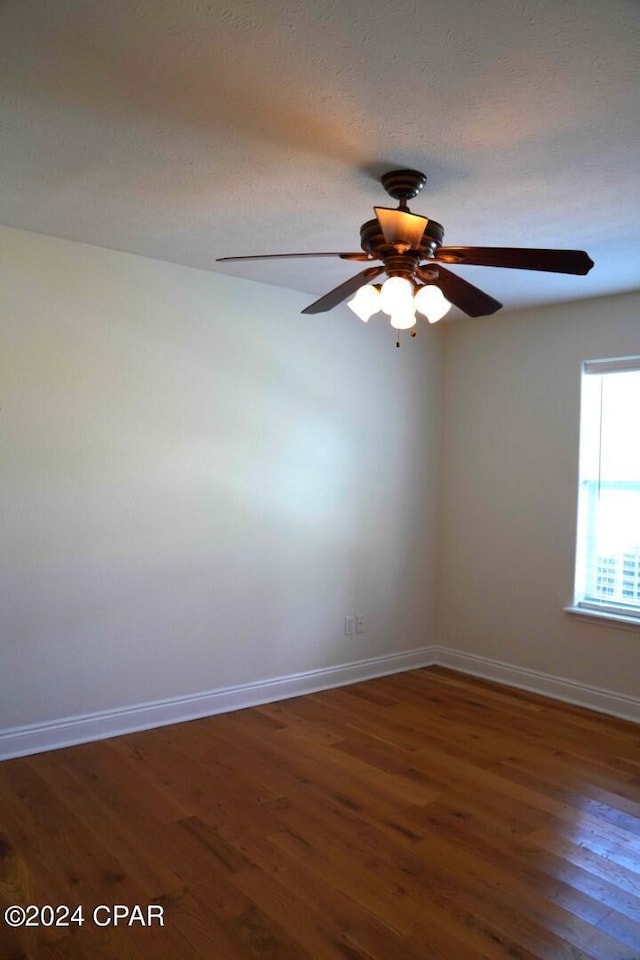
608, 545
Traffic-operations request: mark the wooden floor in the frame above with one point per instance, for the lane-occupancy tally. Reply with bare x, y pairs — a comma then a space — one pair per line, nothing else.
424, 816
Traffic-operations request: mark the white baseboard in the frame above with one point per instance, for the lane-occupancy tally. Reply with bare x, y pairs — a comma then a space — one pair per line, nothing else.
52, 735
36, 738
569, 691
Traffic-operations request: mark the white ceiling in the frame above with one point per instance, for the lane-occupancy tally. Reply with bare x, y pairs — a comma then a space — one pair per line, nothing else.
187, 130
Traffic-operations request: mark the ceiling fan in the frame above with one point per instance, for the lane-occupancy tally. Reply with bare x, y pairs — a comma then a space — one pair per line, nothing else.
408, 248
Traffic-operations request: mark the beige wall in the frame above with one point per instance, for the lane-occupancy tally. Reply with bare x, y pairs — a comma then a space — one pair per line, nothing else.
510, 468
197, 483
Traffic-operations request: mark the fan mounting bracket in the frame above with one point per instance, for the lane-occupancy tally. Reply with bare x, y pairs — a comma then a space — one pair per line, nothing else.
403, 184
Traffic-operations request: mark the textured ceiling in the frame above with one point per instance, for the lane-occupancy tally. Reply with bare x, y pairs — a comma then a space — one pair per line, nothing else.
187, 130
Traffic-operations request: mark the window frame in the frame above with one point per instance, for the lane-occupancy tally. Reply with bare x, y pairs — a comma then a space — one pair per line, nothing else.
614, 612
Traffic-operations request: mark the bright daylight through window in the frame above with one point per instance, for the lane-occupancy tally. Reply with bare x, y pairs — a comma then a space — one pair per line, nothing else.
608, 547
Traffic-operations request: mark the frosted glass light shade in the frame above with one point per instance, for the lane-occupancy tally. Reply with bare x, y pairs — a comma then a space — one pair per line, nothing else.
401, 227
430, 301
366, 302
404, 318
396, 295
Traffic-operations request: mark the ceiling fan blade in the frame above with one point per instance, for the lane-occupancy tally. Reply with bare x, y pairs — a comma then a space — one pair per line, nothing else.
471, 300
400, 226
520, 258
284, 256
338, 294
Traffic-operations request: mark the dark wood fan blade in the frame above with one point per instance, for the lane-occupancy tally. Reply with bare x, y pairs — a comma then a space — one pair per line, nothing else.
284, 256
520, 258
338, 294
471, 300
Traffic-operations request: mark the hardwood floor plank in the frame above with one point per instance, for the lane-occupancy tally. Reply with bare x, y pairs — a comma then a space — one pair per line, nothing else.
381, 942
201, 930
79, 858
561, 893
494, 850
68, 949
106, 810
571, 850
422, 816
340, 910
475, 828
558, 778
327, 772
304, 924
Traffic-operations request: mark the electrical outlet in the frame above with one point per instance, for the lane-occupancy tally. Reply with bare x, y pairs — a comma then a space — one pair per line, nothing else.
360, 624
349, 626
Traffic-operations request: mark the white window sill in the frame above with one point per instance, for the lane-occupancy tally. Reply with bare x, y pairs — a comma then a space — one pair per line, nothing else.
606, 617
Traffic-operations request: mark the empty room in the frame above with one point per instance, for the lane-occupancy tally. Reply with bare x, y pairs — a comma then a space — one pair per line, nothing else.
319, 480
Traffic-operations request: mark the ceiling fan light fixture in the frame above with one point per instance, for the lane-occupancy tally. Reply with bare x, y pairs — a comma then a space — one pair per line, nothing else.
409, 249
404, 318
430, 301
396, 295
401, 228
366, 302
